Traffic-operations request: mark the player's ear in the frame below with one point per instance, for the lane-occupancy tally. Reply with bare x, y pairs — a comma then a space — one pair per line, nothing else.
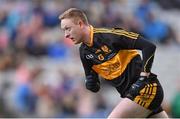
80, 23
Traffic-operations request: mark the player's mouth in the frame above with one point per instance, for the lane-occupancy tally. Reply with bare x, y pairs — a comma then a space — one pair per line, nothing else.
72, 39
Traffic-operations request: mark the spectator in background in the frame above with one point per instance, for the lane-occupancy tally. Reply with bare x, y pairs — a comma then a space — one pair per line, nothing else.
26, 96
154, 29
150, 27
57, 50
166, 4
142, 10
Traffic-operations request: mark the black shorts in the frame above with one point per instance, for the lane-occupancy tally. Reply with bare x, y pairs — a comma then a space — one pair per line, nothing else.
150, 96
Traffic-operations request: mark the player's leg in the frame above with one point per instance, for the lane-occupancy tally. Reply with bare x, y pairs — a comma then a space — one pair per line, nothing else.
139, 102
129, 109
162, 114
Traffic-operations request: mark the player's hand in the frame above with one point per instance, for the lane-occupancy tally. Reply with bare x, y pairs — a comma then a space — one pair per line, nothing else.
141, 82
139, 85
92, 85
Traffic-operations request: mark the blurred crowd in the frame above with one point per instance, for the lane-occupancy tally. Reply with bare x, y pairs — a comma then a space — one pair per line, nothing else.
40, 71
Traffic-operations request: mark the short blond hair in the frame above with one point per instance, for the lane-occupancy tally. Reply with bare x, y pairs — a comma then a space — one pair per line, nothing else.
75, 14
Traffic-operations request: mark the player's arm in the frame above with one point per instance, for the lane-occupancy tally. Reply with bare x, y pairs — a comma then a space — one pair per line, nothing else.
127, 40
148, 50
92, 81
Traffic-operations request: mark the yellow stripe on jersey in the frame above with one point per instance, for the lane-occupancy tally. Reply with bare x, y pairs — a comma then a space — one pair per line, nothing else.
116, 66
117, 32
147, 62
150, 90
146, 96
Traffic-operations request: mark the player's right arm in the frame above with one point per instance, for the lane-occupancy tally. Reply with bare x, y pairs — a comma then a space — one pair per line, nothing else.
92, 81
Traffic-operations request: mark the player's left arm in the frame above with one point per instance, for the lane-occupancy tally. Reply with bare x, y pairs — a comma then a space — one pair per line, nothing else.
129, 40
92, 81
122, 39
148, 51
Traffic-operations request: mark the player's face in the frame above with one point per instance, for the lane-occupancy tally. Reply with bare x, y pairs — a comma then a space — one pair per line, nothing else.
72, 30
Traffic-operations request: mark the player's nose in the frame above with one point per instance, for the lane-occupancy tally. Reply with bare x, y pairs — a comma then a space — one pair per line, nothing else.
67, 35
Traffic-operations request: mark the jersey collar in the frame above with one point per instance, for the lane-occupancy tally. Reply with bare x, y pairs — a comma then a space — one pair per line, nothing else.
91, 36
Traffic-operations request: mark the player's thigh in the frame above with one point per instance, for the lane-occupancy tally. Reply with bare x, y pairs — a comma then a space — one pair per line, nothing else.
162, 114
129, 109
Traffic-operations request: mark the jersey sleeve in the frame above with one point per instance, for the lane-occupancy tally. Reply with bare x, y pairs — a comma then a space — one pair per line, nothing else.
148, 51
121, 39
89, 73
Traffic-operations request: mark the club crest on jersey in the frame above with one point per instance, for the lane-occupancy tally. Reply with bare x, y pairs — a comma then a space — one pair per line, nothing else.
105, 49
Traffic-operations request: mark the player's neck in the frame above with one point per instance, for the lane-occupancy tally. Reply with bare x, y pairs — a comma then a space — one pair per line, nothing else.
87, 33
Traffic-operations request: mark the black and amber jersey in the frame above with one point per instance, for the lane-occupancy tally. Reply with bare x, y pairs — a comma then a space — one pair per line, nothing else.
111, 50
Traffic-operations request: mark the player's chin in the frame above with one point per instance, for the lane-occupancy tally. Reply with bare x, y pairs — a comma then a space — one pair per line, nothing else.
76, 43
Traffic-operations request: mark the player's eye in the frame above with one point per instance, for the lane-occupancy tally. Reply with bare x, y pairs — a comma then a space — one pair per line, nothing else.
67, 28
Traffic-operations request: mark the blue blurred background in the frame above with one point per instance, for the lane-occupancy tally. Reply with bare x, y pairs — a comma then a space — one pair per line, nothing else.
40, 71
